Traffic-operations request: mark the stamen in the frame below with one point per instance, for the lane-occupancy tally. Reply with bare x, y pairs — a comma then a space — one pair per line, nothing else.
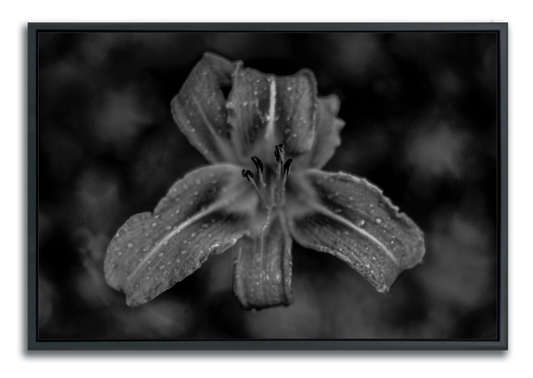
258, 163
279, 153
282, 171
248, 175
287, 167
259, 166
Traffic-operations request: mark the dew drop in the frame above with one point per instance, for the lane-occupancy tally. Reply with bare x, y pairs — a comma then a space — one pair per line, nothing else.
195, 193
185, 241
130, 245
154, 224
178, 211
161, 267
378, 220
178, 261
350, 198
183, 252
168, 228
361, 223
294, 135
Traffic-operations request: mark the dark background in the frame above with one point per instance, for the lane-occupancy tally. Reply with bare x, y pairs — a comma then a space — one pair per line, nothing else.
421, 123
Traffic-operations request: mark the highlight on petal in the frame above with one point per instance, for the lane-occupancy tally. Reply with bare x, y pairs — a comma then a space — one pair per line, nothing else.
262, 267
327, 135
266, 110
199, 108
350, 218
205, 212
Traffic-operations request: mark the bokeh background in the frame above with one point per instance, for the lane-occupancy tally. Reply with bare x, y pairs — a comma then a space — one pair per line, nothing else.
421, 113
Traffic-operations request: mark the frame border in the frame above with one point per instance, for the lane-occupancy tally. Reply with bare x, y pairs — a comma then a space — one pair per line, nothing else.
34, 25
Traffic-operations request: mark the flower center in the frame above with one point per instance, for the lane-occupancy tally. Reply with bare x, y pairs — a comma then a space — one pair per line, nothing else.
273, 195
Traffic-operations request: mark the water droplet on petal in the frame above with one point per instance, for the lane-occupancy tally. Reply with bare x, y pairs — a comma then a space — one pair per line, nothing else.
378, 220
361, 223
154, 224
183, 252
129, 245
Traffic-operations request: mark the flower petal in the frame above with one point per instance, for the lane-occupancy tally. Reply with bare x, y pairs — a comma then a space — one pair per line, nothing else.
199, 108
265, 110
205, 212
262, 267
350, 218
327, 137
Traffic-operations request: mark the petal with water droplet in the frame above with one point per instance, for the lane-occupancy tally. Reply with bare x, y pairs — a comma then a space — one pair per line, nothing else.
153, 251
262, 267
199, 108
350, 218
327, 137
266, 110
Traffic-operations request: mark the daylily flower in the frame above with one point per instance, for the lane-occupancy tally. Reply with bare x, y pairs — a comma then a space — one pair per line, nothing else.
266, 143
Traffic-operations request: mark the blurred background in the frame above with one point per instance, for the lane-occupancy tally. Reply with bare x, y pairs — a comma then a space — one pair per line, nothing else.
421, 123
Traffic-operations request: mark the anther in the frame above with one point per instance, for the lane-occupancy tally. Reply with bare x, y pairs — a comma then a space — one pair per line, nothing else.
247, 174
287, 167
279, 153
258, 164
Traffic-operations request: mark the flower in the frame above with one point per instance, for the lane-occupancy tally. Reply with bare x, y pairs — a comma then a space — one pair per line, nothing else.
266, 143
